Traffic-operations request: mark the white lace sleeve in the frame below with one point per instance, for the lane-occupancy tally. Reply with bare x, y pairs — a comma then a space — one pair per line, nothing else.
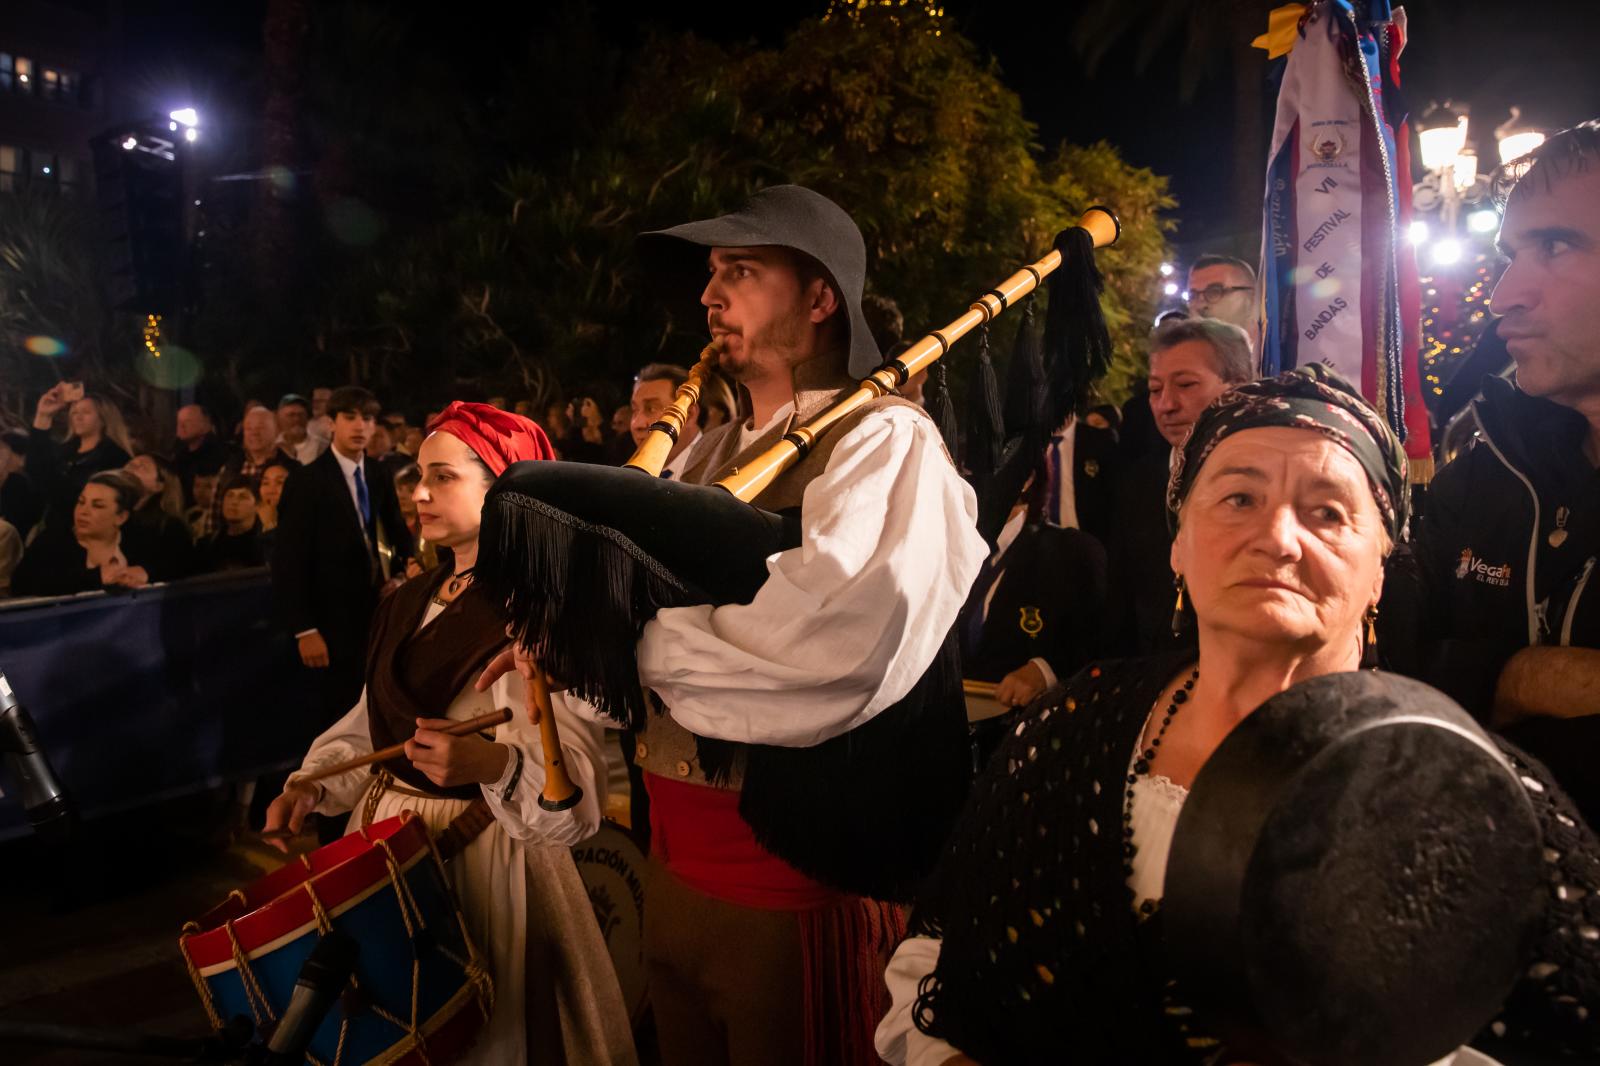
898, 1039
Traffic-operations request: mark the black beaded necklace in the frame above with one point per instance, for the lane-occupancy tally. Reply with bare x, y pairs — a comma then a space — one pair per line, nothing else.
1141, 766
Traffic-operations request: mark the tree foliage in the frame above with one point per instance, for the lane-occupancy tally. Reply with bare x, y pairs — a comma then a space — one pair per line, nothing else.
470, 231
910, 128
54, 311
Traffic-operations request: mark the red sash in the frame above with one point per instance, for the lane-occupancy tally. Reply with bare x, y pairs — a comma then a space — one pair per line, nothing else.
697, 834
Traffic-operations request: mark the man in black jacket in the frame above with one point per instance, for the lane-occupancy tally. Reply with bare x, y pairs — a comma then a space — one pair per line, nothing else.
198, 448
1507, 550
1192, 362
340, 538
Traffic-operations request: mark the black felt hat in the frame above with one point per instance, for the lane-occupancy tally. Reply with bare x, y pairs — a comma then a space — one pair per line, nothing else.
788, 216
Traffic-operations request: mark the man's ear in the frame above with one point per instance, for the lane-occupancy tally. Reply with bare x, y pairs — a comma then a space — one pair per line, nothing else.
823, 301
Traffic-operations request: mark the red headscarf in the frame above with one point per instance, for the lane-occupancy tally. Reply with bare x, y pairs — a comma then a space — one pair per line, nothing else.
498, 437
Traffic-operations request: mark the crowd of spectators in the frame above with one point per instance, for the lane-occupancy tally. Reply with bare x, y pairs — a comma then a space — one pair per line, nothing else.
85, 506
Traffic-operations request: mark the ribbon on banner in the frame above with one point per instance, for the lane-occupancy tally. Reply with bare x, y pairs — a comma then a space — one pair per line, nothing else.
1283, 29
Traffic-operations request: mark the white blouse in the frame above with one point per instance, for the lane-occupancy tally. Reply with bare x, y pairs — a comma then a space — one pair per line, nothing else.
1157, 802
1156, 805
514, 803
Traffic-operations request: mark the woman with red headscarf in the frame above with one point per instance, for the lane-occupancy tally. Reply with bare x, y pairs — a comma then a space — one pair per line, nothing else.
556, 993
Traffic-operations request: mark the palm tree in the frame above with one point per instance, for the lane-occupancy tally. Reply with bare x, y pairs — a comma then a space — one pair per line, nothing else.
54, 314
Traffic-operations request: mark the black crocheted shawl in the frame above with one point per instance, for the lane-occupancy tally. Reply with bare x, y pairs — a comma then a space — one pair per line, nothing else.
1043, 955
1044, 958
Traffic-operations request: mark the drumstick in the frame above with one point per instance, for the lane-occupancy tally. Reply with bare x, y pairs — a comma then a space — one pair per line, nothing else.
560, 791
394, 751
979, 688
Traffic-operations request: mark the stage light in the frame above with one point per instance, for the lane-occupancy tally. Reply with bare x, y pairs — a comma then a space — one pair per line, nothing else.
187, 116
129, 143
1418, 232
1167, 269
1447, 251
1170, 288
191, 134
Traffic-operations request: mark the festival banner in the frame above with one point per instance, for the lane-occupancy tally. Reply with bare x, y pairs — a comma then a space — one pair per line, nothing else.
1339, 285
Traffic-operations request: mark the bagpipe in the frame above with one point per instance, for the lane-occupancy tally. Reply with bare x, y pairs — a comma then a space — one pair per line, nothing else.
584, 556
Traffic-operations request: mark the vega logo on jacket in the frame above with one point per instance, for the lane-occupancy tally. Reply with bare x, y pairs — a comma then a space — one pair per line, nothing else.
1480, 570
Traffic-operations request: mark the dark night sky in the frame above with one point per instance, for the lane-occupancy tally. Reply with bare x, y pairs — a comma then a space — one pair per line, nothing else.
1536, 53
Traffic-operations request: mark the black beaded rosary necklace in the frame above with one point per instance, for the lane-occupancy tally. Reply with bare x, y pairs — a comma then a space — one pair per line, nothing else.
1141, 766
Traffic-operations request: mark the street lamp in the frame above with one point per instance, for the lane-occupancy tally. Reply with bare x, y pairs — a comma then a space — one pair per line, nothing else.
1442, 134
1464, 171
1516, 138
1453, 177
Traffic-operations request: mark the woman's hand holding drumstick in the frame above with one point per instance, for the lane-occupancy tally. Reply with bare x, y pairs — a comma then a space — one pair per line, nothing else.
560, 791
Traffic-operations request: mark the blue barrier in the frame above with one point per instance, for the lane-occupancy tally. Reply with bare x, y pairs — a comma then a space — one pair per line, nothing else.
145, 695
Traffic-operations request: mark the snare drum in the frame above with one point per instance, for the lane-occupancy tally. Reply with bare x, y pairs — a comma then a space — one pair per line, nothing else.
612, 868
421, 993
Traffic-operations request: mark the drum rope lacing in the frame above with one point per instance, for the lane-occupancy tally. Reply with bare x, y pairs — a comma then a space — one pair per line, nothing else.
411, 916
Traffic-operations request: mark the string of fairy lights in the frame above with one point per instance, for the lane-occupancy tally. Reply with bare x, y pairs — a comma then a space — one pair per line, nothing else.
853, 10
152, 335
1454, 315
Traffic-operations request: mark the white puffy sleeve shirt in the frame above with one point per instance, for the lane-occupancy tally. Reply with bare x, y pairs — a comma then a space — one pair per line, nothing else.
848, 621
514, 798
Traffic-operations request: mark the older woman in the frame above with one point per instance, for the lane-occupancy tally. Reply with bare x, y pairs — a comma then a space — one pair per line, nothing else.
1288, 495
556, 995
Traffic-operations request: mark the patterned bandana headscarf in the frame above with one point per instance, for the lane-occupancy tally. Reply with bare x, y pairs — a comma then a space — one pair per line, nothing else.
498, 437
1308, 397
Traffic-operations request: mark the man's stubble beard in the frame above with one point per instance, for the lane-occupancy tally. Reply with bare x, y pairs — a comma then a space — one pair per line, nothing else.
782, 337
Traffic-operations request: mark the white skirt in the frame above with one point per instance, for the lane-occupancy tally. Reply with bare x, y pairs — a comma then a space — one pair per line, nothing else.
556, 997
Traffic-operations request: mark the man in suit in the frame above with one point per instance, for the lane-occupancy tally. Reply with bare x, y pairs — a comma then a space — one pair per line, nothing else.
340, 538
1083, 499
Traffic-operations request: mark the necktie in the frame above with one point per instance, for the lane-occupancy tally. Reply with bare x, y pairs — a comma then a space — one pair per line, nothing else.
1053, 487
363, 501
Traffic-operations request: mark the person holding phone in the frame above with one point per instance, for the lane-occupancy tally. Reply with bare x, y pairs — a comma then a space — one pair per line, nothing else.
98, 441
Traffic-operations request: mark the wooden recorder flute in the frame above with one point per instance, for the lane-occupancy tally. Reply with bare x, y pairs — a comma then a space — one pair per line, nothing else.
560, 791
651, 456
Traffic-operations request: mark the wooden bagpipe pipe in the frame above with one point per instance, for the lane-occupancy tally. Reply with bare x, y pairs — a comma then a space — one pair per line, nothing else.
584, 556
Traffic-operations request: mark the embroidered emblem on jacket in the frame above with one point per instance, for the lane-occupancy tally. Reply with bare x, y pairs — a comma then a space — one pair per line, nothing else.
1030, 622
